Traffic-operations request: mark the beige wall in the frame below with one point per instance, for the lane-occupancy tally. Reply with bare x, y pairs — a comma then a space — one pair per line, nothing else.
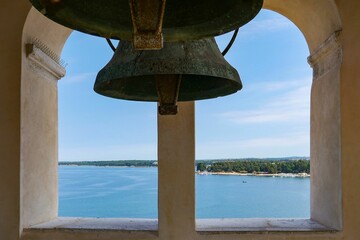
12, 18
27, 101
350, 116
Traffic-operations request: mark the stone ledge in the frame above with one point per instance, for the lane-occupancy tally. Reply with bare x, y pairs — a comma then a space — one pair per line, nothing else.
118, 224
147, 229
44, 62
253, 225
93, 228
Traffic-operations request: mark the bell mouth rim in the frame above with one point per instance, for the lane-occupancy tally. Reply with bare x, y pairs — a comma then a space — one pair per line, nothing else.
190, 90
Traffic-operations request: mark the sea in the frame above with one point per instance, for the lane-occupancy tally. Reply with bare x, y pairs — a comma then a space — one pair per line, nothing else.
131, 192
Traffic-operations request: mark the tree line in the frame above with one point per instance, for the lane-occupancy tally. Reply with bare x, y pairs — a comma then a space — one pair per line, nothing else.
240, 165
118, 163
273, 167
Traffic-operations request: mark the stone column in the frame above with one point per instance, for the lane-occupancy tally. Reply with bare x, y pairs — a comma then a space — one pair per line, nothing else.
176, 155
42, 42
39, 134
325, 151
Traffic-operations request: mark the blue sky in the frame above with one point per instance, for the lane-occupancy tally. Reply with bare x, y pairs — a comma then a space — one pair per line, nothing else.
269, 117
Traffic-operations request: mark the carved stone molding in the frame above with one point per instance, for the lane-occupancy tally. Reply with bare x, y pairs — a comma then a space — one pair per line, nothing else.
327, 56
44, 63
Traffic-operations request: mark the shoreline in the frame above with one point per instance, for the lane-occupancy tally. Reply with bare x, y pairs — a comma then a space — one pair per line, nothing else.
293, 175
78, 165
287, 175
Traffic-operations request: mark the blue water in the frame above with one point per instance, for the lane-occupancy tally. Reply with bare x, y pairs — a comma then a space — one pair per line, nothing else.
132, 192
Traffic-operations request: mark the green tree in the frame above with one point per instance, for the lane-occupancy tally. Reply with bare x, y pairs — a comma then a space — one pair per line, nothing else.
201, 167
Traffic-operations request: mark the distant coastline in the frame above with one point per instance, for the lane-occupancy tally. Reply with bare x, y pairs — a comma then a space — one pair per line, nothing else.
289, 175
266, 168
261, 167
114, 163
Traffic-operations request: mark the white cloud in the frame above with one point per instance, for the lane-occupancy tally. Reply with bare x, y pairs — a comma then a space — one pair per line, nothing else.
257, 26
88, 76
279, 146
270, 25
291, 105
283, 141
269, 86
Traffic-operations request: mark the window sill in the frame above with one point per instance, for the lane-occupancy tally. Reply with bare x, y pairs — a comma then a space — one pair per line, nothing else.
253, 225
147, 229
106, 227
126, 224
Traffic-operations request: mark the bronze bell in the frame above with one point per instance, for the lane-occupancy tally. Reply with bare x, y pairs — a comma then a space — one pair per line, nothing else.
181, 71
146, 22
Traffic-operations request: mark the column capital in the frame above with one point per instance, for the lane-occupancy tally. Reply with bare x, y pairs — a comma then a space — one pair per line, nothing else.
327, 56
44, 61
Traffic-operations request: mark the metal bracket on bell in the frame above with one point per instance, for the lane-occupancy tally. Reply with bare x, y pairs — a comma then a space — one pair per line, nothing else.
168, 87
167, 109
147, 18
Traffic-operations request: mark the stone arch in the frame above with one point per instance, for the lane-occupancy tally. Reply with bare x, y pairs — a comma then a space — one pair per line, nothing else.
50, 33
317, 20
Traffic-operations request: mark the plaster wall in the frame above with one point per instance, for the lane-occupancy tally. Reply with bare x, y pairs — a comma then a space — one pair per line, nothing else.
12, 18
350, 116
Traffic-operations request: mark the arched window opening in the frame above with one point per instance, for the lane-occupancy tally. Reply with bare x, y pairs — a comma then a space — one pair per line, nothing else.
95, 131
39, 148
261, 126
